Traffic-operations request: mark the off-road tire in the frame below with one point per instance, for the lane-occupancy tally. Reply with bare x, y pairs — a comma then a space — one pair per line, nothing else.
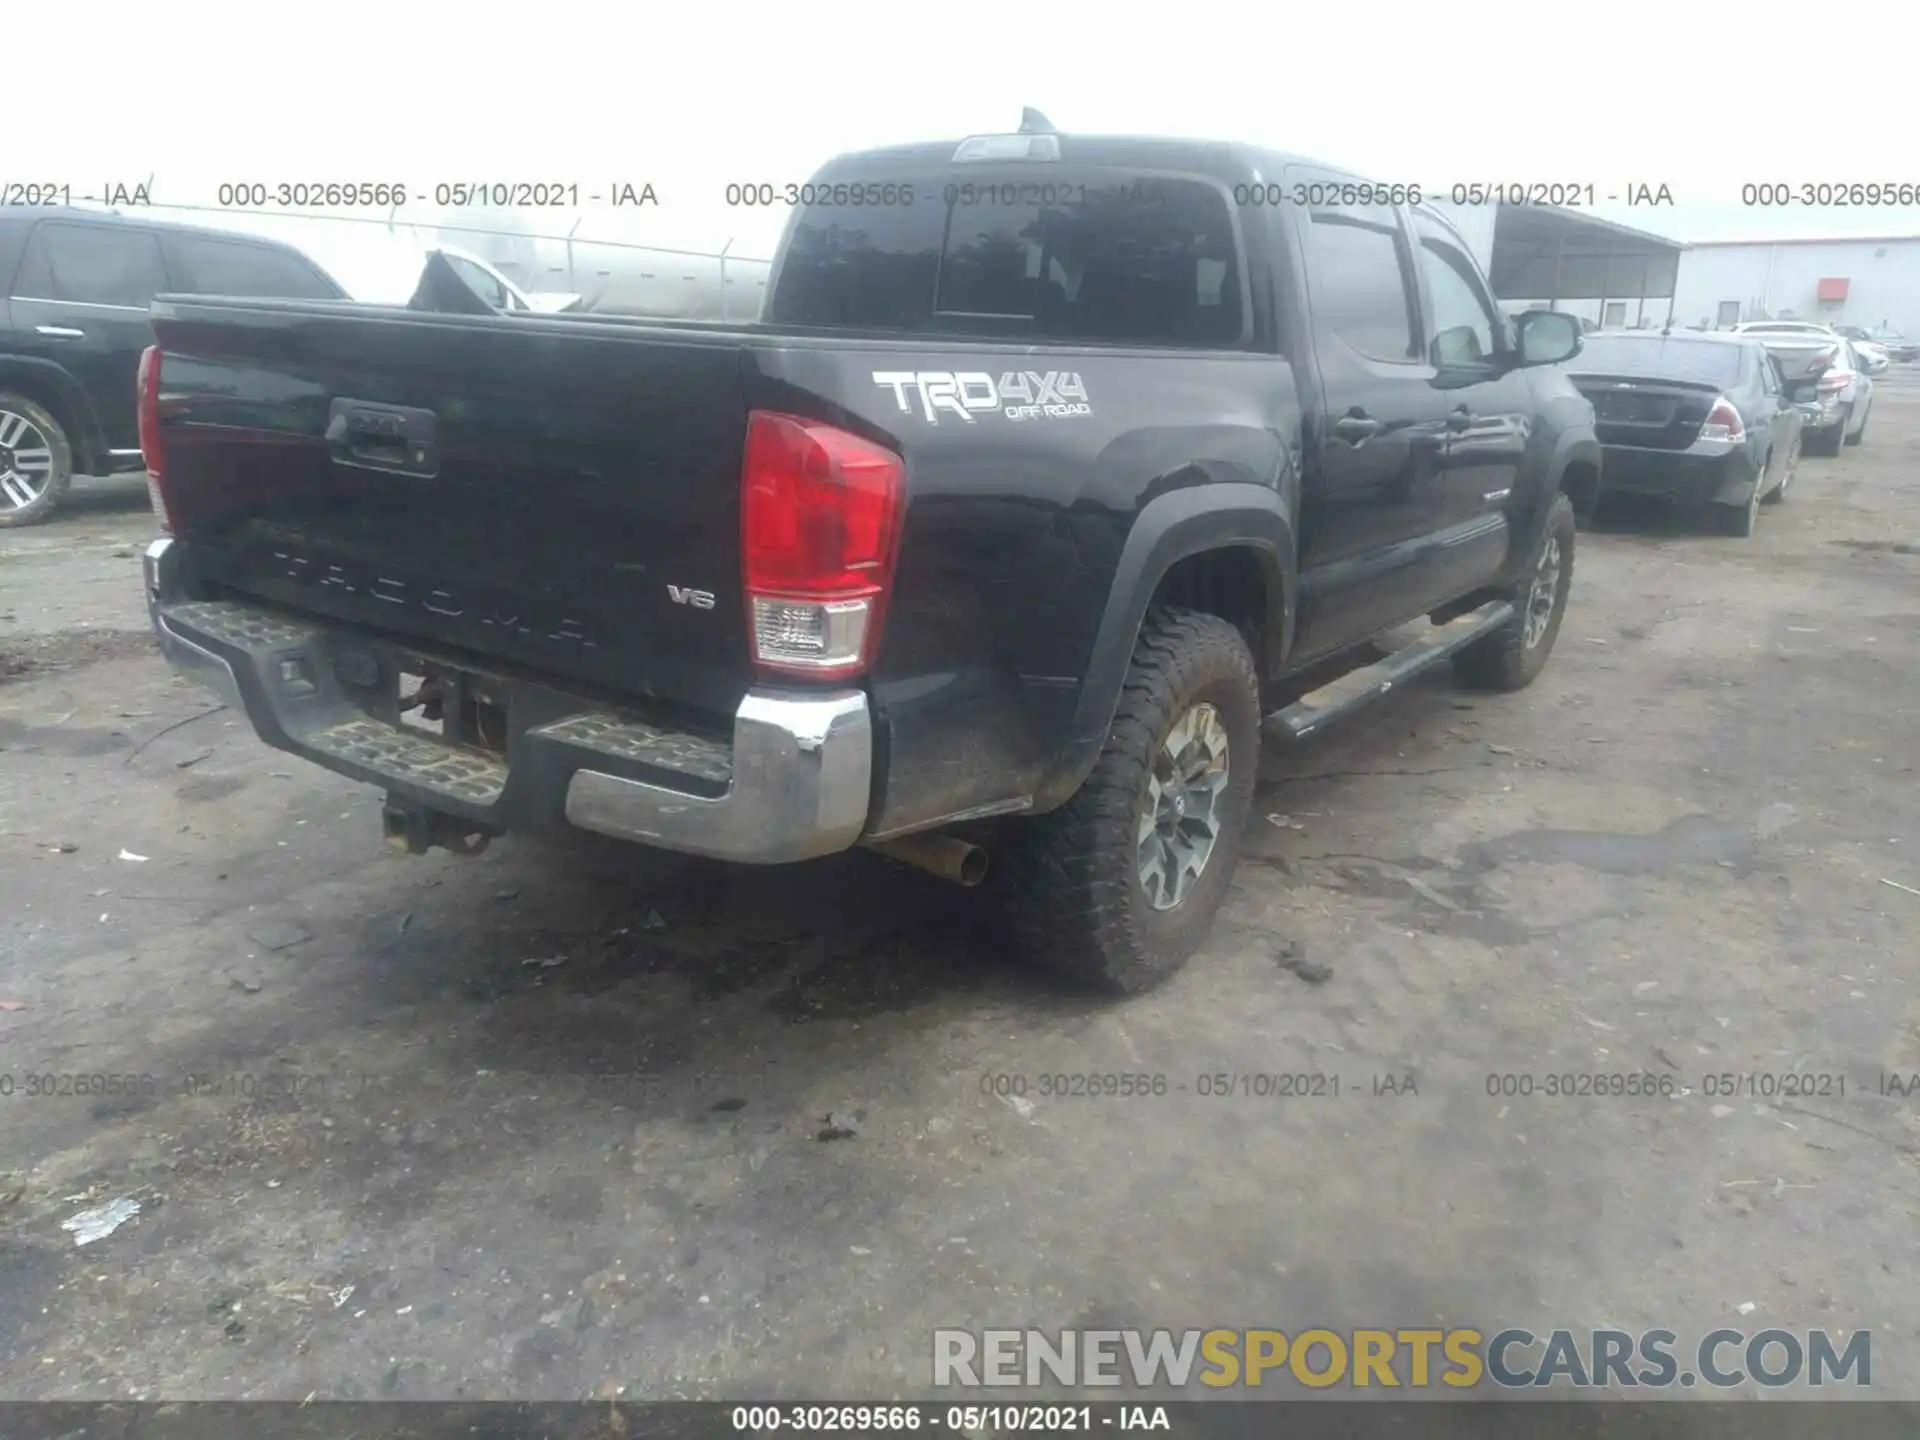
1070, 880
48, 500
1503, 660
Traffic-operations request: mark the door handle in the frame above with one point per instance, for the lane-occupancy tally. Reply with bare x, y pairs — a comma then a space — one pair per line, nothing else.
1459, 419
60, 332
1357, 426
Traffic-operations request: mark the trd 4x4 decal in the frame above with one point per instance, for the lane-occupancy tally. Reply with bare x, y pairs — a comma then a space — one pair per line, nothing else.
1018, 394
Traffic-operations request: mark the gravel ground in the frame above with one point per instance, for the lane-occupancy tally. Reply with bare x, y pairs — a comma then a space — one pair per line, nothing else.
548, 1123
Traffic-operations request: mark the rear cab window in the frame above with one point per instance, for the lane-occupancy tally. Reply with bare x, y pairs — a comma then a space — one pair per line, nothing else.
1076, 254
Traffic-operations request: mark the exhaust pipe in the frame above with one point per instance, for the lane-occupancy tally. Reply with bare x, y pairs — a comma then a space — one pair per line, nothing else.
956, 860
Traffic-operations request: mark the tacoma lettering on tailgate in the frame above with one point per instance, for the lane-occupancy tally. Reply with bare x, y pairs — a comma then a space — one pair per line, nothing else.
502, 613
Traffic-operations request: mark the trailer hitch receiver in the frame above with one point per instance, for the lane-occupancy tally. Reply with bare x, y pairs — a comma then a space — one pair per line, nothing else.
417, 829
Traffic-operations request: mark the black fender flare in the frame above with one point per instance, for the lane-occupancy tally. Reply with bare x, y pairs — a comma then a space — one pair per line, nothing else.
1570, 447
1172, 527
1574, 447
85, 436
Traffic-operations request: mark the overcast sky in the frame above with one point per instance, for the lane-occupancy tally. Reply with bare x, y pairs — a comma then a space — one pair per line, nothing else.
688, 98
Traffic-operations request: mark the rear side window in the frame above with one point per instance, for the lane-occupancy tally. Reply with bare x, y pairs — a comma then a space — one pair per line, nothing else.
91, 265
228, 267
1088, 257
1357, 281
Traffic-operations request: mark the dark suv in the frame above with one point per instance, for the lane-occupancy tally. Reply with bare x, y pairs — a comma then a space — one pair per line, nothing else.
76, 289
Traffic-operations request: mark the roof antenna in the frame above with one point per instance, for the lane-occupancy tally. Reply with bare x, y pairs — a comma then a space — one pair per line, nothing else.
1032, 122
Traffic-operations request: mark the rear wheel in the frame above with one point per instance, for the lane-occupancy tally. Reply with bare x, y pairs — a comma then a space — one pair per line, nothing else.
1118, 887
1779, 492
36, 462
1509, 658
1739, 521
1827, 442
1861, 433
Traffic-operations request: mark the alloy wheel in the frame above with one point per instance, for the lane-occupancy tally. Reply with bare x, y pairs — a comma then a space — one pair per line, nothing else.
1180, 820
26, 461
1543, 593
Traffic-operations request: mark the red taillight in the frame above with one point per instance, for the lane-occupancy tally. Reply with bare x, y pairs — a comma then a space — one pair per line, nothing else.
1723, 422
148, 408
820, 525
1833, 380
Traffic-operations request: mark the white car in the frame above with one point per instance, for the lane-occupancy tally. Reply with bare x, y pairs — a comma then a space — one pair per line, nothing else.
1883, 338
498, 291
1843, 384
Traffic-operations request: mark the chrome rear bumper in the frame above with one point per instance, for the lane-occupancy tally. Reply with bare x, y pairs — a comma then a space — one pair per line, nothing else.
793, 782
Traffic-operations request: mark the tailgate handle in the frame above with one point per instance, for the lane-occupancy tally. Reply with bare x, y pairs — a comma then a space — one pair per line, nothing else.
394, 438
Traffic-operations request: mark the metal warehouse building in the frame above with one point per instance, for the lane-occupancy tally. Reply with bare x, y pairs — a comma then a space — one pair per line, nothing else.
1613, 275
1542, 258
1853, 282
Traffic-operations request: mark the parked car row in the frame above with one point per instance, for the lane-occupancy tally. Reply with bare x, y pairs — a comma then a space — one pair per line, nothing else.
1883, 339
1718, 420
77, 285
1704, 419
1841, 374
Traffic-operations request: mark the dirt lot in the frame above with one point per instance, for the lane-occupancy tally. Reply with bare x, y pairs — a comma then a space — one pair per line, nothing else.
547, 1123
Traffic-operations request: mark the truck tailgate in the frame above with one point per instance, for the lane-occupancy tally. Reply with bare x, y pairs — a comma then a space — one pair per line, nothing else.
560, 494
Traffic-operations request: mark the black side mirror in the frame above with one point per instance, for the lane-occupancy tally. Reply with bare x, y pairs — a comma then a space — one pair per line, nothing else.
1547, 337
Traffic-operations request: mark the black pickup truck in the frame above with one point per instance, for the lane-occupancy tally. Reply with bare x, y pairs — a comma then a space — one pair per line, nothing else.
1053, 463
